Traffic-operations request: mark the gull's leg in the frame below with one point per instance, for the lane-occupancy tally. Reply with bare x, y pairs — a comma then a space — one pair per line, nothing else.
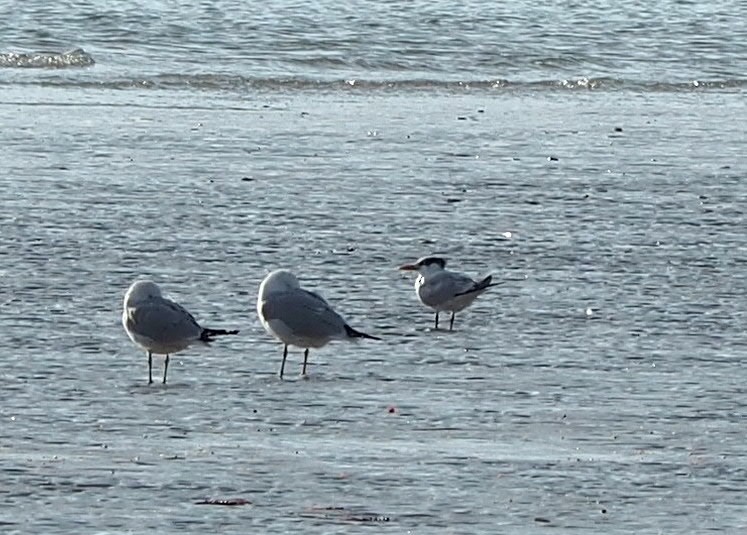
436, 319
150, 368
282, 364
451, 324
165, 369
305, 358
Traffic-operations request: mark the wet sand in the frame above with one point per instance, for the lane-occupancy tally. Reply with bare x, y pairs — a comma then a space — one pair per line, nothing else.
598, 390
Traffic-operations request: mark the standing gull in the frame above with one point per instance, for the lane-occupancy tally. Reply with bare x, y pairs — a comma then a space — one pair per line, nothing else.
160, 325
299, 317
445, 290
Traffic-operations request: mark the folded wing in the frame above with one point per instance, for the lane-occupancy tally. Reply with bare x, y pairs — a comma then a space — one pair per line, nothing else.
484, 284
444, 287
305, 313
163, 321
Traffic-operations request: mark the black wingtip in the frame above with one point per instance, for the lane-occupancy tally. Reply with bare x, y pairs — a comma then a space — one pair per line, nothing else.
484, 284
208, 334
352, 333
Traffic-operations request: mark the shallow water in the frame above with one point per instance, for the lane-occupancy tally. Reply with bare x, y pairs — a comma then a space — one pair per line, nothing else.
599, 389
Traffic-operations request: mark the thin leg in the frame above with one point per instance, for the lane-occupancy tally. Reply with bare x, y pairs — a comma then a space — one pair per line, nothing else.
150, 368
165, 369
436, 320
282, 364
305, 358
451, 323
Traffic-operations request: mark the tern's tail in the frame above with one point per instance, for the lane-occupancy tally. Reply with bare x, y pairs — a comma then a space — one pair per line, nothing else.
352, 333
209, 334
484, 284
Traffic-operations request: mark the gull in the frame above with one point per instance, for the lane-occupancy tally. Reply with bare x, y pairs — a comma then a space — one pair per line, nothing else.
160, 325
444, 290
300, 317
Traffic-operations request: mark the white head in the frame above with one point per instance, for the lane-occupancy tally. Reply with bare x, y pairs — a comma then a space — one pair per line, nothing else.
278, 281
141, 290
426, 265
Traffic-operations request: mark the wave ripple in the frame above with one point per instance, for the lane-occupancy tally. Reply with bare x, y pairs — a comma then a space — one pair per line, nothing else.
46, 60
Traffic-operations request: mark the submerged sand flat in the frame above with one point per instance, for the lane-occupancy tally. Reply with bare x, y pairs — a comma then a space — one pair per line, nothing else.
600, 389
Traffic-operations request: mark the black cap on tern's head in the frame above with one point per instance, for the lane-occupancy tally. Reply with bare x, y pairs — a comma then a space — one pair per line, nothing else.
432, 260
426, 261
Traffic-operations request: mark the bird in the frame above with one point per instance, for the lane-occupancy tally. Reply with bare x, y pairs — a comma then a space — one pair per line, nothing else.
160, 325
444, 290
300, 317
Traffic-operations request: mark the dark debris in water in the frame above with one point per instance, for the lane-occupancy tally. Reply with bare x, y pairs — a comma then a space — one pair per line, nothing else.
226, 502
344, 515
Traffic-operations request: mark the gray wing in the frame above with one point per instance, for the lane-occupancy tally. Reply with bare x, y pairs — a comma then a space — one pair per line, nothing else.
305, 313
163, 321
444, 287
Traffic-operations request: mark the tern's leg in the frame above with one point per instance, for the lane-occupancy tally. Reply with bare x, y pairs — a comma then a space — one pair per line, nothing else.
282, 364
436, 319
305, 358
165, 369
150, 368
451, 323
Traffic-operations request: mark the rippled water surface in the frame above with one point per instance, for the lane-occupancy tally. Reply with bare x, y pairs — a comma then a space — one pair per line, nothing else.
599, 389
283, 41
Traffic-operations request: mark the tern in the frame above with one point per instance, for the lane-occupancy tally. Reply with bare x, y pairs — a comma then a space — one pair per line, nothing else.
160, 325
444, 290
300, 317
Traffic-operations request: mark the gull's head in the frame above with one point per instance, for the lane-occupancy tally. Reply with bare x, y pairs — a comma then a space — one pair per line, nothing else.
427, 264
141, 290
278, 281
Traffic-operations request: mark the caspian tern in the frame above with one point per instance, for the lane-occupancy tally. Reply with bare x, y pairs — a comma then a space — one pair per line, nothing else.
444, 290
160, 325
300, 317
